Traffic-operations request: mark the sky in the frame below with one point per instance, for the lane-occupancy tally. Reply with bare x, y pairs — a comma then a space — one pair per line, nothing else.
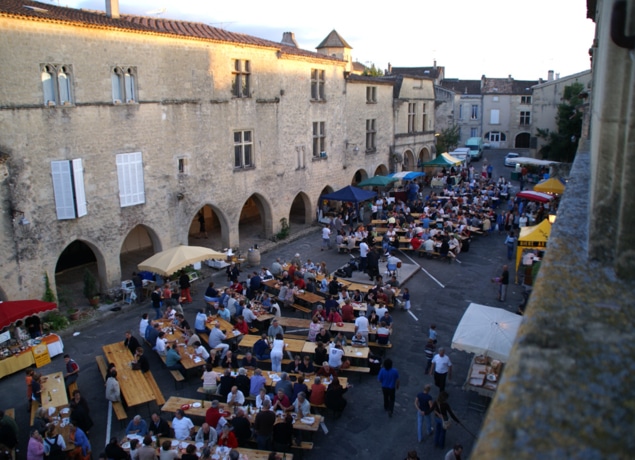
469, 38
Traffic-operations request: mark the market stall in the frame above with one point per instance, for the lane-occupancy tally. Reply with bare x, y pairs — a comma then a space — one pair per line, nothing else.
534, 237
489, 333
15, 357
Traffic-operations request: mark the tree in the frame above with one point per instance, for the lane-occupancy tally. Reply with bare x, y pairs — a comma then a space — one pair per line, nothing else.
448, 139
372, 71
563, 144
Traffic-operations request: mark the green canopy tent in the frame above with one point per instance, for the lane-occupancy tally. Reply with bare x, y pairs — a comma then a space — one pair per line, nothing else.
380, 181
444, 159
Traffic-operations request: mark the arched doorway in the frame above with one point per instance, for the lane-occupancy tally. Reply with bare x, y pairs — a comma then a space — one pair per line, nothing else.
322, 208
78, 260
522, 141
140, 243
214, 226
381, 170
359, 176
408, 161
300, 212
255, 222
424, 156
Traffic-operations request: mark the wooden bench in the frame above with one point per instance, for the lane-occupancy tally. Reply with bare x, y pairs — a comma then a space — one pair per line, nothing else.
301, 308
304, 445
379, 345
295, 337
176, 375
71, 389
158, 396
361, 369
117, 407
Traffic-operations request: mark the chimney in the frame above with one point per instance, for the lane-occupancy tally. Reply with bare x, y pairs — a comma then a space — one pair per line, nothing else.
288, 38
389, 69
509, 77
434, 66
112, 9
550, 75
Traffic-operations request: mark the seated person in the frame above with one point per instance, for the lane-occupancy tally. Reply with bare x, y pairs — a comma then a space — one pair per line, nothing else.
249, 362
173, 359
243, 382
340, 339
241, 326
226, 383
318, 391
257, 382
359, 340
386, 319
326, 371
383, 334
301, 405
137, 426
323, 336
321, 354
281, 401
262, 397
299, 387
229, 360
306, 366
294, 366
261, 348
335, 316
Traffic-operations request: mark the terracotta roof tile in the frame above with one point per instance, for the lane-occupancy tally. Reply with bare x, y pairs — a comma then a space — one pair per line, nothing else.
37, 11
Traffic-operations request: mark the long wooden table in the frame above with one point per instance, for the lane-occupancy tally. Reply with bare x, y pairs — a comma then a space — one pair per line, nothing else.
135, 389
189, 360
230, 332
292, 345
176, 402
54, 391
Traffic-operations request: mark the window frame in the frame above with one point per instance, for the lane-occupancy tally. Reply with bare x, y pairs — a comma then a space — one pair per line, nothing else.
319, 139
412, 114
124, 84
371, 95
525, 100
474, 112
68, 188
318, 84
57, 89
244, 149
424, 117
525, 118
371, 135
241, 73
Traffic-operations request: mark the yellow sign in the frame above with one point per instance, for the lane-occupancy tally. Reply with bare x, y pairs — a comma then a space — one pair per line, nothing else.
41, 355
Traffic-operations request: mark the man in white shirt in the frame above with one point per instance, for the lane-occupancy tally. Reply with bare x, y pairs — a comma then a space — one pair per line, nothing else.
361, 325
216, 337
363, 255
235, 397
429, 245
248, 315
143, 325
201, 351
160, 345
326, 238
199, 321
335, 356
441, 369
182, 426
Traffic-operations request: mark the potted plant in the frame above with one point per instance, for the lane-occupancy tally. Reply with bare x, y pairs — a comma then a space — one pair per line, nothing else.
90, 288
73, 314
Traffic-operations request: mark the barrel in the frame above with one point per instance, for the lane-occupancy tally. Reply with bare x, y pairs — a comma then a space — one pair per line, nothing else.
253, 257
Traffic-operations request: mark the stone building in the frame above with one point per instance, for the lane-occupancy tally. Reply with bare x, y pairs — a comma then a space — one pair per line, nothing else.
119, 131
460, 102
546, 97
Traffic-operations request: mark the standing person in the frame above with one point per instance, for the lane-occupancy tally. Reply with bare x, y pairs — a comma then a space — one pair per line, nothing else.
326, 238
263, 425
184, 284
54, 444
113, 391
441, 368
442, 413
405, 297
35, 450
277, 353
389, 378
363, 255
503, 283
29, 388
423, 403
80, 413
510, 241
156, 297
373, 263
72, 370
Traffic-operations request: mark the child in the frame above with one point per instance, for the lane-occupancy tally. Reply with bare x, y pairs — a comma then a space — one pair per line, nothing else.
432, 333
405, 296
29, 388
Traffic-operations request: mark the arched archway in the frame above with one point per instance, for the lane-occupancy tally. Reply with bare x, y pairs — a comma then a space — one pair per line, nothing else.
522, 141
212, 232
255, 221
140, 243
424, 156
409, 163
322, 206
359, 176
75, 260
300, 212
381, 170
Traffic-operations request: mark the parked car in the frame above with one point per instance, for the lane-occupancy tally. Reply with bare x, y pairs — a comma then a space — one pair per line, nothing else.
510, 159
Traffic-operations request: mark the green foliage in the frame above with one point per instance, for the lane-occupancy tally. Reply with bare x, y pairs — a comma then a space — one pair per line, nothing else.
372, 71
448, 139
49, 295
284, 230
90, 285
56, 321
563, 144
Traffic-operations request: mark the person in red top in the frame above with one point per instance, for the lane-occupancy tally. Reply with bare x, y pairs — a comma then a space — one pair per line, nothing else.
299, 282
348, 312
335, 317
416, 242
280, 401
291, 271
318, 392
227, 437
213, 415
236, 287
241, 325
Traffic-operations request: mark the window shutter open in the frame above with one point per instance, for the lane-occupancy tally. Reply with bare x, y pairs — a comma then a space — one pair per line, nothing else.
63, 189
78, 182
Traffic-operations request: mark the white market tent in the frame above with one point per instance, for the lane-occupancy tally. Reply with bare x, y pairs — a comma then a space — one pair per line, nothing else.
487, 330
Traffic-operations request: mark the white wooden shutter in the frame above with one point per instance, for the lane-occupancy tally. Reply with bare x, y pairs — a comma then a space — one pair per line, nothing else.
130, 174
78, 183
63, 189
494, 117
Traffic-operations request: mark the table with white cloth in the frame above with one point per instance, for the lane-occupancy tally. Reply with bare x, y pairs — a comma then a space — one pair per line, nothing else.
24, 358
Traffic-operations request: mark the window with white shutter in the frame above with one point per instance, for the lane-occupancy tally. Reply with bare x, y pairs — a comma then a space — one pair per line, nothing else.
68, 188
130, 174
494, 117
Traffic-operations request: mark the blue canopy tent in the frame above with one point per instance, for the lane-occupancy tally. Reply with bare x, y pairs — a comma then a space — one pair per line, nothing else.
350, 194
407, 175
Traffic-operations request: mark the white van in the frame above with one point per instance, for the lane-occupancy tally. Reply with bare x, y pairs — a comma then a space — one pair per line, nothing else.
475, 144
463, 154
